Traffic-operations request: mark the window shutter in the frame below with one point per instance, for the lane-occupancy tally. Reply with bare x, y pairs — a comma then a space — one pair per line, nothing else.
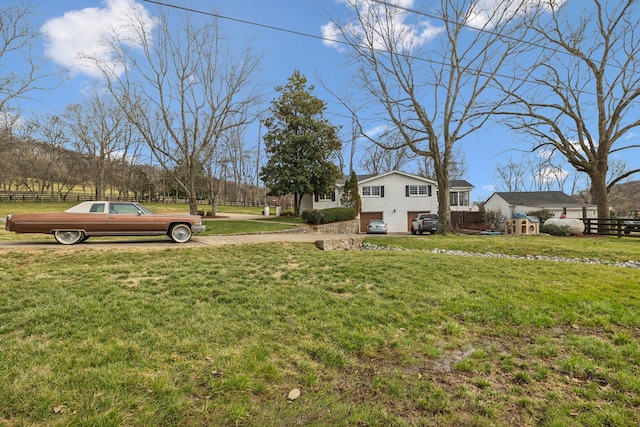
406, 191
333, 196
382, 191
316, 198
429, 190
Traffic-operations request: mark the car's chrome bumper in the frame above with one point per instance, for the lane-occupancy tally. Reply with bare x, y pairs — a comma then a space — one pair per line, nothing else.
198, 228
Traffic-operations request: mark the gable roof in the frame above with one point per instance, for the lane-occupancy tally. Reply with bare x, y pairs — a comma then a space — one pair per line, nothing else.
537, 198
455, 183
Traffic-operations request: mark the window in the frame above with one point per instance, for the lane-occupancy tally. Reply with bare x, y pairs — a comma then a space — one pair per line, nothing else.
373, 191
459, 198
123, 208
418, 190
329, 197
464, 198
97, 208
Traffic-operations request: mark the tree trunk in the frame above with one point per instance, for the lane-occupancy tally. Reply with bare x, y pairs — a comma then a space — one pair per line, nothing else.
193, 202
297, 200
600, 197
445, 225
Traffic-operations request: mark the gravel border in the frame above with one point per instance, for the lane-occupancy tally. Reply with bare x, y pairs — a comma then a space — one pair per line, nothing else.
593, 261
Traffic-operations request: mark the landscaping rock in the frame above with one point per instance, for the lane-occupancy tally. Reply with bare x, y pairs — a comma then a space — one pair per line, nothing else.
344, 244
625, 264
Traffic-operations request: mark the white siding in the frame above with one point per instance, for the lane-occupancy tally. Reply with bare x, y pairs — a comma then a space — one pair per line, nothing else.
497, 203
395, 204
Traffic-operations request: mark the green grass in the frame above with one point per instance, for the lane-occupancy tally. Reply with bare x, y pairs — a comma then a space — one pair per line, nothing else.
219, 226
219, 336
24, 207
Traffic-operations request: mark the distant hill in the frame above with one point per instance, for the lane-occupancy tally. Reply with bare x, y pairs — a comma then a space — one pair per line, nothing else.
624, 197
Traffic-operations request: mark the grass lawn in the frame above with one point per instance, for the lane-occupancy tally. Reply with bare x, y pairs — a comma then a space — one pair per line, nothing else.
220, 336
22, 207
219, 226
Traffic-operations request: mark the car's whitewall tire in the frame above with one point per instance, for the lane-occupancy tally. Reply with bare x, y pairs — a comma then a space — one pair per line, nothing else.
180, 233
68, 237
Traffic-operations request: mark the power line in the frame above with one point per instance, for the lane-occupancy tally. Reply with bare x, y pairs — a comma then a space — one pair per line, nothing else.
303, 34
243, 21
346, 43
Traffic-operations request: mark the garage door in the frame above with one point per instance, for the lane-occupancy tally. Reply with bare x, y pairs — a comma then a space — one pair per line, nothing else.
365, 217
410, 216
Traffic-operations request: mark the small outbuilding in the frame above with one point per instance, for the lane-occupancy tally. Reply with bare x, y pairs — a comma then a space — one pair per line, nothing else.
556, 202
522, 224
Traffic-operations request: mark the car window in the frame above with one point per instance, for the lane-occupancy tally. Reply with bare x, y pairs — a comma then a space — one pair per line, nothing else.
97, 208
123, 208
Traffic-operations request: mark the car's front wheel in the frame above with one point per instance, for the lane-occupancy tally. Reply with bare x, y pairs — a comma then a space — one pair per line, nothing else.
180, 233
68, 237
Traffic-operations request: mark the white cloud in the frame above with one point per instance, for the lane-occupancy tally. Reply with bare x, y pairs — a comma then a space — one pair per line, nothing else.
82, 32
551, 175
484, 12
377, 130
489, 188
407, 34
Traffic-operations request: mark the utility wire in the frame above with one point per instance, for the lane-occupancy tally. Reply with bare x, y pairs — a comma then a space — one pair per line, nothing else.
346, 43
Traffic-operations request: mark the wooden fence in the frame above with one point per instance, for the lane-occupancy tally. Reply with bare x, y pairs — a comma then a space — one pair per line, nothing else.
608, 227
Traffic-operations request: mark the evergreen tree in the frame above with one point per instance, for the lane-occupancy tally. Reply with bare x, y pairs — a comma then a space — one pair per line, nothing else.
351, 196
300, 144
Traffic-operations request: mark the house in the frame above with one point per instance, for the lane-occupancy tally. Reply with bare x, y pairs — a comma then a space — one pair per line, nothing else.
556, 202
395, 197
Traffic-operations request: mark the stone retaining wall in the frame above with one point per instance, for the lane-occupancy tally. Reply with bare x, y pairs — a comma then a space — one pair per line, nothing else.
344, 227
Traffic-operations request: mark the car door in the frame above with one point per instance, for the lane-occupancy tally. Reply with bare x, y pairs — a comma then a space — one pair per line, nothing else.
96, 220
126, 218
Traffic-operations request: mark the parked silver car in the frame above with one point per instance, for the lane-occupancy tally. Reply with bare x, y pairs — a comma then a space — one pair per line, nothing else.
377, 226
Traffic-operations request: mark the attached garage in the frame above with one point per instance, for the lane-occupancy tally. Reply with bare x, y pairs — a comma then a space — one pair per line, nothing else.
365, 217
411, 216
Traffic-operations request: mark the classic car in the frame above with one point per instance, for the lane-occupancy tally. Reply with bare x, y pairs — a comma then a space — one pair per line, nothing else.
104, 218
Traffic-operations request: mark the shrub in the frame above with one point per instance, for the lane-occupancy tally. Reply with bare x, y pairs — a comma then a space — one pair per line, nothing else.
556, 230
315, 216
337, 214
312, 216
493, 218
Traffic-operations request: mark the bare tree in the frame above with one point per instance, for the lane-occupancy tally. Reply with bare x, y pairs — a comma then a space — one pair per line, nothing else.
457, 166
538, 171
100, 129
510, 176
432, 97
63, 165
580, 95
16, 38
182, 90
389, 153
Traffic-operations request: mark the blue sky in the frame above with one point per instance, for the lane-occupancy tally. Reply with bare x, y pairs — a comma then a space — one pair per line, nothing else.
72, 25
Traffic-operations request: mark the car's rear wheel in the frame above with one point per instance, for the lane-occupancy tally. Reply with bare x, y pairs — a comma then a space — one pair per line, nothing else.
180, 233
68, 237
